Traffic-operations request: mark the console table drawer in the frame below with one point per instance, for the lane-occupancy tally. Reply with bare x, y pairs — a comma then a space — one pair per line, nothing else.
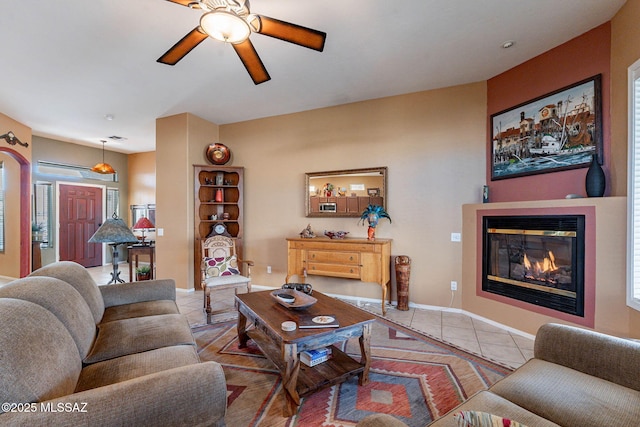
351, 258
334, 270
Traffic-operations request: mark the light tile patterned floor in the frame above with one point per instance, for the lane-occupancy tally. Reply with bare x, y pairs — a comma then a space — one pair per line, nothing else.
466, 332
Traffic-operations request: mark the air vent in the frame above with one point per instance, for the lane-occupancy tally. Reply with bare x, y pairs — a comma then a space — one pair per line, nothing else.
117, 138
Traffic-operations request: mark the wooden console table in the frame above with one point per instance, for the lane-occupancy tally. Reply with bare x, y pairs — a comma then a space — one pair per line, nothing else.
361, 259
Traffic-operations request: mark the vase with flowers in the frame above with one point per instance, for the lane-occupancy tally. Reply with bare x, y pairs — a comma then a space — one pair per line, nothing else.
372, 214
328, 189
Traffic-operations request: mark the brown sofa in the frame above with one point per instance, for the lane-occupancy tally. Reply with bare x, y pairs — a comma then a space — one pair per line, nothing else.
75, 353
577, 378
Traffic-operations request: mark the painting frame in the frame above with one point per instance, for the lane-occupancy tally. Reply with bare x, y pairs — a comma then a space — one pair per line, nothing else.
557, 131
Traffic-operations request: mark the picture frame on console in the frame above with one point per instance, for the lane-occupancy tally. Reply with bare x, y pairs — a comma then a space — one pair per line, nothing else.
557, 131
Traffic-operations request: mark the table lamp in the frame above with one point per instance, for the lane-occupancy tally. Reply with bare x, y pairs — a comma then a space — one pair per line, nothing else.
114, 232
143, 224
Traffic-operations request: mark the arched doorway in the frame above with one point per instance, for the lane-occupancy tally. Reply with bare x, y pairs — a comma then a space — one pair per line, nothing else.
25, 210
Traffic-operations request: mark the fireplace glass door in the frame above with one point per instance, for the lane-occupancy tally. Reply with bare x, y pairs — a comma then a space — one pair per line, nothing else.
536, 259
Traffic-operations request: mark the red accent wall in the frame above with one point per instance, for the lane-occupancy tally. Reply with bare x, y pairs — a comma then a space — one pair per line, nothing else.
578, 59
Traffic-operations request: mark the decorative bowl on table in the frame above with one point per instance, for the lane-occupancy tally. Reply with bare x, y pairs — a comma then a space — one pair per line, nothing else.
293, 299
336, 234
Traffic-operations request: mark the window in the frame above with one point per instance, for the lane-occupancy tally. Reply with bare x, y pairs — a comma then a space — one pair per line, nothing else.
42, 220
1, 208
633, 197
113, 202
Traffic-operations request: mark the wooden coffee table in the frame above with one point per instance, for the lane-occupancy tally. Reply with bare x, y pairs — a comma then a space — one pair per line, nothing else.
283, 348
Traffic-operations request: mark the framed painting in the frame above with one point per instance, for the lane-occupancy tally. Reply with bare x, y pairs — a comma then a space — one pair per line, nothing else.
557, 131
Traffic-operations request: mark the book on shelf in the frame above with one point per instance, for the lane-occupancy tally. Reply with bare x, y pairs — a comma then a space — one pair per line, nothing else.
315, 357
308, 321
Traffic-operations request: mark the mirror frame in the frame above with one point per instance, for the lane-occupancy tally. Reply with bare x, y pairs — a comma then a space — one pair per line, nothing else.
310, 175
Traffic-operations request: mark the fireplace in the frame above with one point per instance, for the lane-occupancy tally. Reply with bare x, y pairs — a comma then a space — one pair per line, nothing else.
538, 259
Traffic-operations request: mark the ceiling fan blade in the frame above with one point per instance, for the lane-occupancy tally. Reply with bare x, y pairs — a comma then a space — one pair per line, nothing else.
292, 33
252, 61
184, 46
189, 3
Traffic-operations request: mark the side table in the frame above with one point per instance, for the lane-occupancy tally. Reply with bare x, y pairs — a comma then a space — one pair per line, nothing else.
136, 250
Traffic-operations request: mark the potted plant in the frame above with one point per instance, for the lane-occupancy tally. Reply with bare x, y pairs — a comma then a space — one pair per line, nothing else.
143, 272
372, 214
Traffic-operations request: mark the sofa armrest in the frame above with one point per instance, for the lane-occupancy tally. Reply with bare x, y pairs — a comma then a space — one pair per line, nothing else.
604, 356
146, 290
194, 395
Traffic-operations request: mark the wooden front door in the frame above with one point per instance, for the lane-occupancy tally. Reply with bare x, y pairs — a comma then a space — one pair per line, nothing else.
80, 217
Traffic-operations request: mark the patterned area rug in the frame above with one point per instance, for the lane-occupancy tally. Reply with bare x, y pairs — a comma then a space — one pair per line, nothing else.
413, 377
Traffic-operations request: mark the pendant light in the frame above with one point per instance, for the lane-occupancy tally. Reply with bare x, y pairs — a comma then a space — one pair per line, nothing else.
103, 168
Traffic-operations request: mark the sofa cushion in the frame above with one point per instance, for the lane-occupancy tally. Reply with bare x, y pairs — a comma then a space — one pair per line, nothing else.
221, 266
61, 299
610, 358
132, 292
78, 277
136, 365
38, 358
494, 404
139, 309
129, 336
584, 400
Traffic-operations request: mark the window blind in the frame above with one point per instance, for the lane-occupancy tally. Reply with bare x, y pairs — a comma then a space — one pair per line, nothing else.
633, 280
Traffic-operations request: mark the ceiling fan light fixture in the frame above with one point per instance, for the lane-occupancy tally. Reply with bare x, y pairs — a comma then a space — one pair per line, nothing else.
225, 26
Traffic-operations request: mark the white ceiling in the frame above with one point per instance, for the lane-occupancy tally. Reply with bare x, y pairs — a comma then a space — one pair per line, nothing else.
68, 63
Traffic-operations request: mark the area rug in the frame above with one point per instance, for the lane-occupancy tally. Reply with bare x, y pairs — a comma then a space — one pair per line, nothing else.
413, 377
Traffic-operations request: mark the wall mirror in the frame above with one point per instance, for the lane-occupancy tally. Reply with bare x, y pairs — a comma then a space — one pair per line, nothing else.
344, 193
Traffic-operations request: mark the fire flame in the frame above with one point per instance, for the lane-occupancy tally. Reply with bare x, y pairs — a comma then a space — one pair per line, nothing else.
547, 265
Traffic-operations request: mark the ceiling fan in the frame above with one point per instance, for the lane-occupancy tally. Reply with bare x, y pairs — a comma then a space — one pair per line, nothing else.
231, 21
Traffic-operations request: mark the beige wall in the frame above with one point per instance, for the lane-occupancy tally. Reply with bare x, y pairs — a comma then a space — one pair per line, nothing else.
433, 144
10, 258
181, 141
625, 50
142, 180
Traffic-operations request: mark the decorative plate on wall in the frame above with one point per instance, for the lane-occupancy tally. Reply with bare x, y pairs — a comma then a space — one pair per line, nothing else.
218, 154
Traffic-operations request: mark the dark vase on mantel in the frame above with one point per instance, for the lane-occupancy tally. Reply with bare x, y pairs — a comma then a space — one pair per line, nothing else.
595, 181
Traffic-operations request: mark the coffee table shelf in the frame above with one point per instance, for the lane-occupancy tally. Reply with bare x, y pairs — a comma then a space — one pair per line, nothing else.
337, 369
260, 319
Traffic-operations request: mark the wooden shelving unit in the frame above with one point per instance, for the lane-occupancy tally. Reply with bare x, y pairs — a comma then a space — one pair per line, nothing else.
210, 181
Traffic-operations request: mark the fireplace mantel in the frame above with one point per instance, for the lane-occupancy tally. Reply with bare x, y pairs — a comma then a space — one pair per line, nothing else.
605, 264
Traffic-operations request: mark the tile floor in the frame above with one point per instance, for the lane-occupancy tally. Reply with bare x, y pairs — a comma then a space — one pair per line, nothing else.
466, 332
456, 328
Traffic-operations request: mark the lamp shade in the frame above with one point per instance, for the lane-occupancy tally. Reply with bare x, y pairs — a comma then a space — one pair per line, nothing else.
113, 230
143, 223
104, 168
